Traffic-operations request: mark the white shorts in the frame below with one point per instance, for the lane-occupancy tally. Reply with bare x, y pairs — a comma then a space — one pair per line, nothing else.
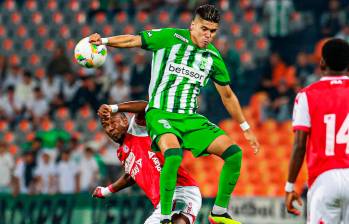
328, 198
187, 201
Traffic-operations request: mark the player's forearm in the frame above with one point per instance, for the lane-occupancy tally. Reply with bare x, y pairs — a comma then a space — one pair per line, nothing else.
233, 106
124, 41
298, 155
123, 182
132, 106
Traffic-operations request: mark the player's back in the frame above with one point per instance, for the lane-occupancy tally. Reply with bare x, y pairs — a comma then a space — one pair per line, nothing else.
328, 116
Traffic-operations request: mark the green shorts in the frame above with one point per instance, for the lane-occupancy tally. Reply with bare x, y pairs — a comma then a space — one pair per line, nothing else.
194, 131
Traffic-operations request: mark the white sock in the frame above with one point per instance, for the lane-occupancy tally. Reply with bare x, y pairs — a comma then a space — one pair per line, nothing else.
218, 210
163, 217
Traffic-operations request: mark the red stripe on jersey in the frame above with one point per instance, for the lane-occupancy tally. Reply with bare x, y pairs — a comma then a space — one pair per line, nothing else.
144, 166
301, 128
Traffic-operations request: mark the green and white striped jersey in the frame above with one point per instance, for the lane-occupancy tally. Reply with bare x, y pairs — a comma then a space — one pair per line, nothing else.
180, 69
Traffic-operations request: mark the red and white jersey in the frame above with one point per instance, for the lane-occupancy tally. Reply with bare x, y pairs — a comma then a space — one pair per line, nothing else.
322, 109
144, 165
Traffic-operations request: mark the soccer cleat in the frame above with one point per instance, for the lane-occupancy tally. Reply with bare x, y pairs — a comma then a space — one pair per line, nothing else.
221, 219
166, 221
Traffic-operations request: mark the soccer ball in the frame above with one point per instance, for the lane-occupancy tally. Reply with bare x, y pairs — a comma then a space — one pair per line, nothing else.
90, 55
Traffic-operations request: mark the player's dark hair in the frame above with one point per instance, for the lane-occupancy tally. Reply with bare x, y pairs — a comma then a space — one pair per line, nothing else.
335, 53
209, 13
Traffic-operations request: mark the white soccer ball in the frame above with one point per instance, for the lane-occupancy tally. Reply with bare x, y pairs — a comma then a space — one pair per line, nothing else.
90, 55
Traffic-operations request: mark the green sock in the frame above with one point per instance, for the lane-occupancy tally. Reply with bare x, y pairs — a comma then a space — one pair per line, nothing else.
168, 178
229, 175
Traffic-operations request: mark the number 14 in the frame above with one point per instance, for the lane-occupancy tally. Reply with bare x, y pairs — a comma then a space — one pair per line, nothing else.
342, 136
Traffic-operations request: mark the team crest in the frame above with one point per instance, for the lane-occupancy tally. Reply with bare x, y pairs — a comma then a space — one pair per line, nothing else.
203, 64
126, 149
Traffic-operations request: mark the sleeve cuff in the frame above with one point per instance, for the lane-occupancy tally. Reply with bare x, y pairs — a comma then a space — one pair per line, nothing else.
221, 83
144, 45
301, 128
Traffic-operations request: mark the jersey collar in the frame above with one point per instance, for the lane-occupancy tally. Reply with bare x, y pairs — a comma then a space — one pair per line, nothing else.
325, 78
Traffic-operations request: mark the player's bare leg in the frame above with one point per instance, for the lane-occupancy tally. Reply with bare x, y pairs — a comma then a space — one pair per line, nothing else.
225, 147
170, 147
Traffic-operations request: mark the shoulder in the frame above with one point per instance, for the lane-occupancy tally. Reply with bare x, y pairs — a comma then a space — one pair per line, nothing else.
213, 50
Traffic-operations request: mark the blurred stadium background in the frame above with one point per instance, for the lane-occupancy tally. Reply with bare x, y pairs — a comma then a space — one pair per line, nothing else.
48, 103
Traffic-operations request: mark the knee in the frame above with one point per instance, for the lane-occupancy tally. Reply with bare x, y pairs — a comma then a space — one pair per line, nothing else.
232, 154
173, 157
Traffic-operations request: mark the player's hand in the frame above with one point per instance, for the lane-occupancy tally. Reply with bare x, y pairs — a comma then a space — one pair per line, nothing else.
104, 111
96, 39
251, 138
97, 193
289, 199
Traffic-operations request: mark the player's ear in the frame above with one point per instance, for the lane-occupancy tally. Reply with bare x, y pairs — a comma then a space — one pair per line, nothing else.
192, 25
322, 64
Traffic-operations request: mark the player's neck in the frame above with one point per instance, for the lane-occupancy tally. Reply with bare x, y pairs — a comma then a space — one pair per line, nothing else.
335, 73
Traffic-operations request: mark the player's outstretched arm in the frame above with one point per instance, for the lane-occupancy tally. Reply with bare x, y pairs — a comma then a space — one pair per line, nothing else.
297, 158
131, 107
123, 182
121, 41
232, 105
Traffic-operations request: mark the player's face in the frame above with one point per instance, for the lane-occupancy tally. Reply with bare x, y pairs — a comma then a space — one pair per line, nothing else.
202, 31
117, 127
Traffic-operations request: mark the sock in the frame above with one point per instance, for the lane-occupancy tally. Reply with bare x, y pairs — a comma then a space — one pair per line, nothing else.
163, 217
229, 175
218, 210
168, 178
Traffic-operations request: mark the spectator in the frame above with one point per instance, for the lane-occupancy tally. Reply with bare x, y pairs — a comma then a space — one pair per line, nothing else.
344, 33
67, 174
45, 175
24, 174
88, 171
333, 20
59, 63
38, 106
87, 93
6, 168
140, 77
10, 105
278, 15
120, 91
303, 68
24, 89
50, 86
69, 87
13, 76
280, 102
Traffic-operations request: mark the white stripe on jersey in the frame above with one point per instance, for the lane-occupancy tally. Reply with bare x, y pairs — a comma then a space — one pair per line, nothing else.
208, 68
165, 78
179, 79
157, 61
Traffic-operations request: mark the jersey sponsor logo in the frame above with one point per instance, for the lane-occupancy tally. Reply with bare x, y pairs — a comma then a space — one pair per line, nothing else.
129, 161
336, 82
186, 71
139, 162
149, 34
176, 35
157, 164
151, 154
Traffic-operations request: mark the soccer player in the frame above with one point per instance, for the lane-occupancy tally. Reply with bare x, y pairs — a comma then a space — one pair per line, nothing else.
321, 125
142, 166
183, 61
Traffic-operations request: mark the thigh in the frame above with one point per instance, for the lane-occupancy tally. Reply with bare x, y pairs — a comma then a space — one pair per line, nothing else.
187, 201
200, 133
155, 217
220, 144
324, 200
162, 130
